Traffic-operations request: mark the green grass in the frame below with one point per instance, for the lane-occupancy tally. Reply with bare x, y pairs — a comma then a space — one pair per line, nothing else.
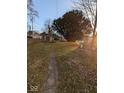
76, 68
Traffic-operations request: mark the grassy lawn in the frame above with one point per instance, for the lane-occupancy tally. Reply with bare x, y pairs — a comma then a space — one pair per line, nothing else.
37, 63
76, 67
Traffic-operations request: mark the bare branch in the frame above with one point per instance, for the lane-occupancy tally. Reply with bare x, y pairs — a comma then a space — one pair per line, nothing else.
88, 7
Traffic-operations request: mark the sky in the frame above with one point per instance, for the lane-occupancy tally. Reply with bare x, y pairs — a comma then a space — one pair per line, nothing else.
50, 9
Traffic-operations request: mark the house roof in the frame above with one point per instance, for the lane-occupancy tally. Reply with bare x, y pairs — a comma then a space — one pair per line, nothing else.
43, 33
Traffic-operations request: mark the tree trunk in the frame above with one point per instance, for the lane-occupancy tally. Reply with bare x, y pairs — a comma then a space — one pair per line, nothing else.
50, 34
32, 24
94, 31
95, 24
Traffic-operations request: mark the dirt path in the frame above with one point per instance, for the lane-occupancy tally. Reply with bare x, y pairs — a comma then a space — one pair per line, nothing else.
51, 82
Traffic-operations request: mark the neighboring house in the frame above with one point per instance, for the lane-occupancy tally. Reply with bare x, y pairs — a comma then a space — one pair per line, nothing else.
43, 36
33, 34
36, 35
29, 34
62, 38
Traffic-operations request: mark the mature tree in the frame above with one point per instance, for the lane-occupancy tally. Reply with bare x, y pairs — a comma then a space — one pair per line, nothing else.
71, 25
32, 13
89, 8
48, 28
29, 4
47, 24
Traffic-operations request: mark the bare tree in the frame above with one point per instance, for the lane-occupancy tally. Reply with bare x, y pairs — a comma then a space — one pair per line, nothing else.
32, 13
29, 4
89, 8
32, 16
48, 27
